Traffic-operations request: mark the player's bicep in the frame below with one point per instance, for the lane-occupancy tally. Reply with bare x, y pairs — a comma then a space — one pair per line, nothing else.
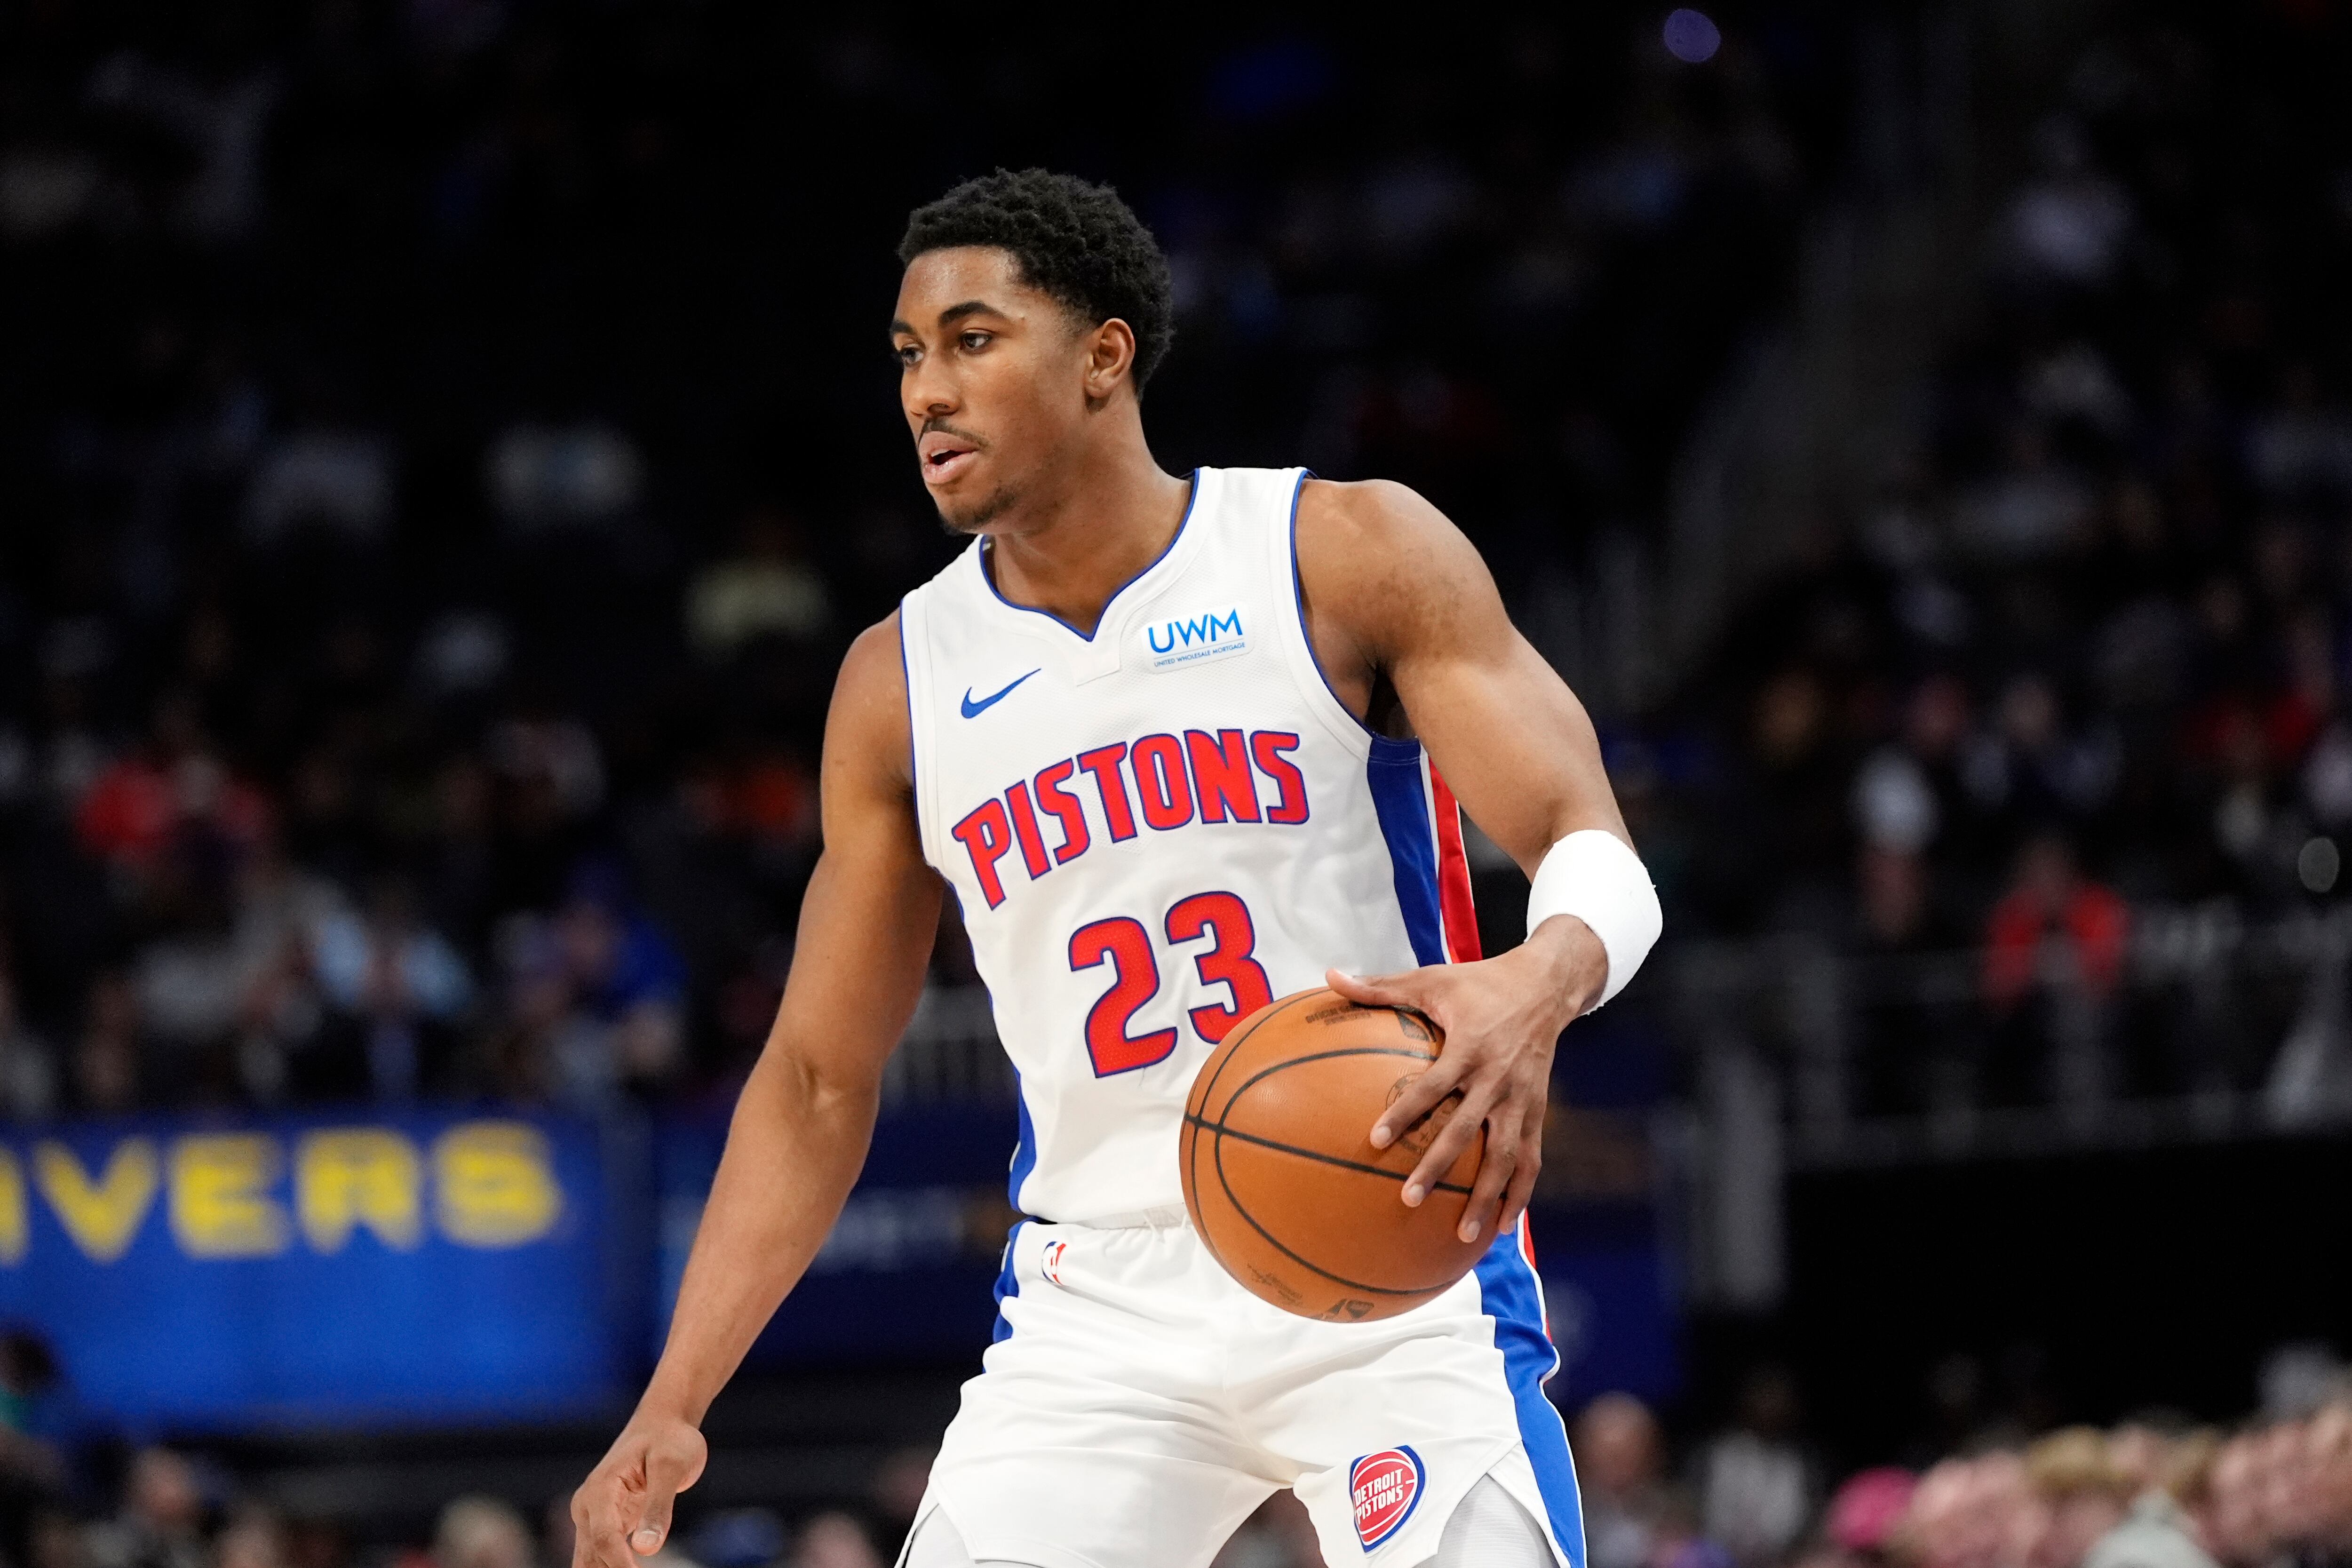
1510, 738
872, 908
1512, 741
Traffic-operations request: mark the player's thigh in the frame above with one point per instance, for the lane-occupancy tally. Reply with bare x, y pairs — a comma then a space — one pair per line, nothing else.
1096, 1433
1388, 1426
1075, 1509
936, 1543
1490, 1529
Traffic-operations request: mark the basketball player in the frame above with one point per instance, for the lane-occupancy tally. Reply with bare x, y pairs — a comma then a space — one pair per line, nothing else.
1178, 746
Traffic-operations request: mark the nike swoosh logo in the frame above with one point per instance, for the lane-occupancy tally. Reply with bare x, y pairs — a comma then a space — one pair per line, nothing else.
975, 710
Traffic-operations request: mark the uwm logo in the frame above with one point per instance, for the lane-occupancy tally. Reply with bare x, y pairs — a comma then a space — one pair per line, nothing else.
1184, 641
1159, 781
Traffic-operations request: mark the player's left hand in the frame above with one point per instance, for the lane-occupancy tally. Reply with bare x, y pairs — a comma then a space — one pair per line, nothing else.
1501, 1017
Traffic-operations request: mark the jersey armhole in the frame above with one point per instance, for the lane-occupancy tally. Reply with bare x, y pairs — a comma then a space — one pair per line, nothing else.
1299, 645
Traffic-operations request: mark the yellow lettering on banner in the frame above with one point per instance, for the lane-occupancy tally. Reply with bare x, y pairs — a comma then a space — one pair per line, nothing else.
494, 1184
16, 1223
345, 1177
221, 1206
102, 1216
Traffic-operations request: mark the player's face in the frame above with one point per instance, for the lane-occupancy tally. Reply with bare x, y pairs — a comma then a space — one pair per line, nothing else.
991, 376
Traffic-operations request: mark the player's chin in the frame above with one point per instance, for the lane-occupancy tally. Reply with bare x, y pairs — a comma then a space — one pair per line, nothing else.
959, 514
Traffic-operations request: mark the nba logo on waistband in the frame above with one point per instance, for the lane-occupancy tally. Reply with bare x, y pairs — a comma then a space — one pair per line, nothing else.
1384, 1487
1050, 1264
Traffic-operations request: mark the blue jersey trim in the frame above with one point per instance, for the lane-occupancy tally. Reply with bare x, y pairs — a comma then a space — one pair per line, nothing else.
989, 577
1008, 1285
1512, 1295
1400, 801
1024, 1146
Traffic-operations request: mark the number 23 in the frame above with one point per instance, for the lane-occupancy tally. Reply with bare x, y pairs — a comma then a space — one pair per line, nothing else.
1125, 946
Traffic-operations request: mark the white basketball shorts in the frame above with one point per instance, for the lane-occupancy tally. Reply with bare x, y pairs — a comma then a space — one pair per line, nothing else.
1137, 1405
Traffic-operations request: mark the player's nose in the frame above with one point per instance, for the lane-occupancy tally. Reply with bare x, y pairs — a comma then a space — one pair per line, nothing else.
927, 393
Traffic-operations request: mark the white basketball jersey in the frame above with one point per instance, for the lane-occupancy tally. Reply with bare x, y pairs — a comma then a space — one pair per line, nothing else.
1157, 829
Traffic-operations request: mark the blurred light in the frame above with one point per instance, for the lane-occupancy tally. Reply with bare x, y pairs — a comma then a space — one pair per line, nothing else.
2318, 864
1692, 36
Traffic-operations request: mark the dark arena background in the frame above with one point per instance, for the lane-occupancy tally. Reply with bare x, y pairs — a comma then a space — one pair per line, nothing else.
446, 444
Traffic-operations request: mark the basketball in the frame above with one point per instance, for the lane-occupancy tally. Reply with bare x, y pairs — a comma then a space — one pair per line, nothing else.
1280, 1174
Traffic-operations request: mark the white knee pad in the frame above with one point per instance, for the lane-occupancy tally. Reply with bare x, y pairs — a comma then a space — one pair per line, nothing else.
1490, 1530
937, 1543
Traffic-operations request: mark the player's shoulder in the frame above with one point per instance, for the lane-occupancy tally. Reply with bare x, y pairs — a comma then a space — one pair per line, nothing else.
1368, 512
1373, 544
875, 654
870, 718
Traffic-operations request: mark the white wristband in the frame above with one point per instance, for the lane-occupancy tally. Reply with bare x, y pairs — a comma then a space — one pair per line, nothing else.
1596, 877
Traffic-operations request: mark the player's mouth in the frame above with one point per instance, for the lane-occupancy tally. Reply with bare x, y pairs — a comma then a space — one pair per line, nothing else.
945, 454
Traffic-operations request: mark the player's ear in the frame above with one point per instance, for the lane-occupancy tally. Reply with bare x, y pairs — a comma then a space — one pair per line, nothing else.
1110, 356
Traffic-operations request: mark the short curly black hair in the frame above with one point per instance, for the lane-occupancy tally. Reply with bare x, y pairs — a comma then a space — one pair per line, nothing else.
1074, 241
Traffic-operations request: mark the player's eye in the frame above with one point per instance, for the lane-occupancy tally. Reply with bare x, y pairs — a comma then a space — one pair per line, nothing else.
906, 354
975, 341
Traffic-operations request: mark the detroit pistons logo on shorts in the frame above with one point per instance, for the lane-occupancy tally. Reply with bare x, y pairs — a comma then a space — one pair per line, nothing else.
1385, 1488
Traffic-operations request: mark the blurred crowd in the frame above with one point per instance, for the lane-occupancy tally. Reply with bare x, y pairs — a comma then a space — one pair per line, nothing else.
2158, 1491
445, 447
176, 1509
2086, 653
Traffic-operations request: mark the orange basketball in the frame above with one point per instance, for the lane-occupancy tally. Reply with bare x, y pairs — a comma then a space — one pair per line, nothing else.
1280, 1174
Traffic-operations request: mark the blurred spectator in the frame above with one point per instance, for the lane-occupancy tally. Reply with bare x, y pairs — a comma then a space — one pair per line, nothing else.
596, 996
2081, 1492
482, 1532
2068, 225
394, 978
2156, 1534
543, 475
28, 1069
173, 794
732, 1538
1621, 1474
336, 480
834, 1541
896, 1492
1969, 1513
767, 589
2051, 903
1755, 1487
107, 1056
33, 1472
161, 1520
1865, 1512
256, 1538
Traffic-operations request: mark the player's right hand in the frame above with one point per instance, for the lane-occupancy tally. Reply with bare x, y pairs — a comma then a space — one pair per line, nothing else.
622, 1510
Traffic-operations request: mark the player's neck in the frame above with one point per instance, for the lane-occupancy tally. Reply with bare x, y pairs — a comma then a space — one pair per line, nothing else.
1109, 519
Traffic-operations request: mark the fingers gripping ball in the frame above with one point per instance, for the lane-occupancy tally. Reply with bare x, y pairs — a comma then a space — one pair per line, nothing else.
1281, 1177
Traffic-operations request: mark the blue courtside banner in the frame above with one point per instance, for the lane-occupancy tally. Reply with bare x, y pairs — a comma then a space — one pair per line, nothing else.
909, 1270
427, 1266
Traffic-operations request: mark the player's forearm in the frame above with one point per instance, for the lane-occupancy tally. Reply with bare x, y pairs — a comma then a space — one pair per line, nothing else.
793, 1152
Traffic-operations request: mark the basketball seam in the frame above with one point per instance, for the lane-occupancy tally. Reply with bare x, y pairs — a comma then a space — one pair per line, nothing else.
1194, 1121
1232, 1042
1222, 1131
1289, 1062
1303, 1263
1225, 1049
